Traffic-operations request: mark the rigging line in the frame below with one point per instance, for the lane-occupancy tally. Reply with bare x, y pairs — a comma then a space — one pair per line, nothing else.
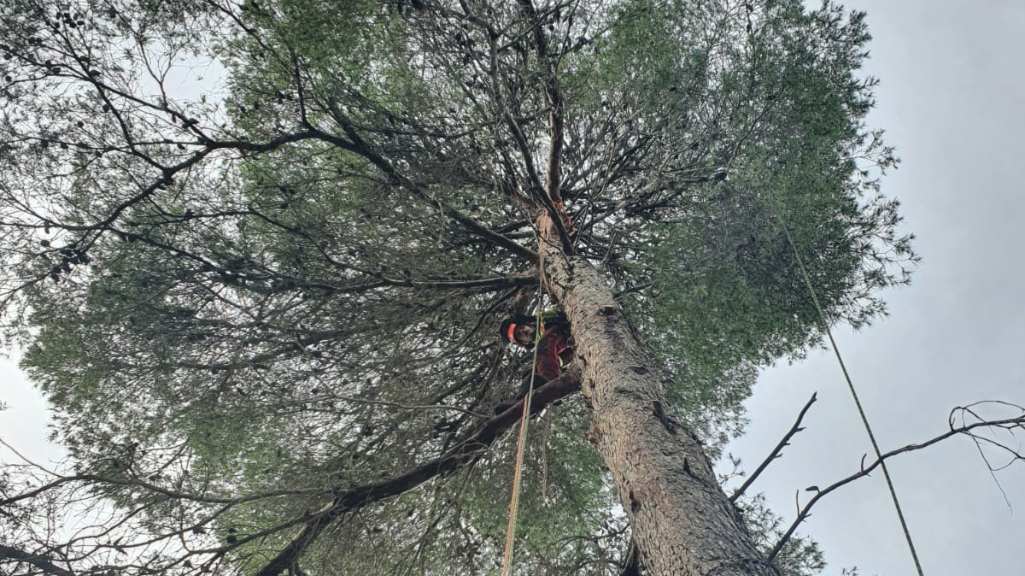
546, 430
854, 393
521, 441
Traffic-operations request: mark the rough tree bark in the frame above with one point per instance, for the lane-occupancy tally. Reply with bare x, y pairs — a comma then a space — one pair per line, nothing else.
682, 521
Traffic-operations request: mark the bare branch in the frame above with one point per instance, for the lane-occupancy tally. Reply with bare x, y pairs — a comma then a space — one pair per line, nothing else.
777, 451
39, 561
1018, 422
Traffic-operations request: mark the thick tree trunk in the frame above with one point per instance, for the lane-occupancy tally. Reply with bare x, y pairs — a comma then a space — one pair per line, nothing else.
683, 523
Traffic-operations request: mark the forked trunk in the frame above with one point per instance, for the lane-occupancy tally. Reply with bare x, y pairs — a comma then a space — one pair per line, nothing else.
683, 523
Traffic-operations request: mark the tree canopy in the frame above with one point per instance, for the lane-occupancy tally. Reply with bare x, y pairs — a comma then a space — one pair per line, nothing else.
249, 294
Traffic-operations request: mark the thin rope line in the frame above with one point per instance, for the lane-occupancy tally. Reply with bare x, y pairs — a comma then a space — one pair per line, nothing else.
546, 430
521, 441
854, 393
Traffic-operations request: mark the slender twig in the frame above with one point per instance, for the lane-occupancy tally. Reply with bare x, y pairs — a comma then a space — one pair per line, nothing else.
777, 451
1018, 421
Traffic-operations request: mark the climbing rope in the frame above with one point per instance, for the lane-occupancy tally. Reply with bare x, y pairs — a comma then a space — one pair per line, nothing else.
521, 441
854, 393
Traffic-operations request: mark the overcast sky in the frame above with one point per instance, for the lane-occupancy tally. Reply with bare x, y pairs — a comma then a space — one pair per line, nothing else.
951, 100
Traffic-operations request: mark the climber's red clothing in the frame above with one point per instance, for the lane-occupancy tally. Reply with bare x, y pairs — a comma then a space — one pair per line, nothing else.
555, 346
554, 350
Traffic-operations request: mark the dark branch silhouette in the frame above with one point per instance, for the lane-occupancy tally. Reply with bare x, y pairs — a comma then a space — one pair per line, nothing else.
1009, 424
777, 452
468, 449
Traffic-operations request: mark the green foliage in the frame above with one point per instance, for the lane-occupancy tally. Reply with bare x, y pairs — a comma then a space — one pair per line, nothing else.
799, 557
259, 303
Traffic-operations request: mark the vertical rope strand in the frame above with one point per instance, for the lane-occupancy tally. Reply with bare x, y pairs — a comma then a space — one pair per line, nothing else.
854, 394
521, 441
546, 430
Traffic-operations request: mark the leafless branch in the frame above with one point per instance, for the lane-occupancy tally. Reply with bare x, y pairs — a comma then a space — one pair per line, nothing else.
1009, 424
41, 562
777, 452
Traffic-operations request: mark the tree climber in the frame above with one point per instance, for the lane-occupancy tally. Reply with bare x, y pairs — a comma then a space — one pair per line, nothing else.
555, 345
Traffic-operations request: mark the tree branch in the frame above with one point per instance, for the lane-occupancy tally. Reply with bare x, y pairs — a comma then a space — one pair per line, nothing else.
553, 98
41, 562
363, 149
777, 451
467, 450
804, 512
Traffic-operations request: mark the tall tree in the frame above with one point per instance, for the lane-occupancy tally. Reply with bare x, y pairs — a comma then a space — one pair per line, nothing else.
266, 316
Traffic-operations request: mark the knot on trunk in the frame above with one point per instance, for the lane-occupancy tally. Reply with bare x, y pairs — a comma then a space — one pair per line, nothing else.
660, 412
635, 504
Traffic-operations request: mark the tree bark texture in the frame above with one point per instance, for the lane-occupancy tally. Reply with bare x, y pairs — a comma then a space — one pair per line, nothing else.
683, 523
